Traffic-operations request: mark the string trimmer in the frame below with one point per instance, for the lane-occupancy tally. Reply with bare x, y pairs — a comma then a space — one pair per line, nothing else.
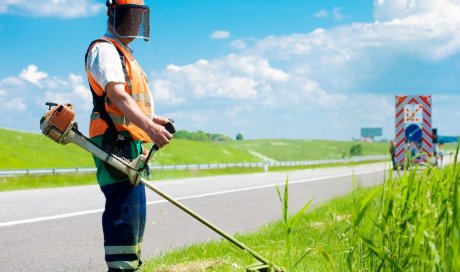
58, 124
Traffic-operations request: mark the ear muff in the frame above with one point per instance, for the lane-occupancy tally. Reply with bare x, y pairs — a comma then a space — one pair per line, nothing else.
110, 8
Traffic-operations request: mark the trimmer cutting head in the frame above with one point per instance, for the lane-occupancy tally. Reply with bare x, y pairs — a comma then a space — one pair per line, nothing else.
260, 267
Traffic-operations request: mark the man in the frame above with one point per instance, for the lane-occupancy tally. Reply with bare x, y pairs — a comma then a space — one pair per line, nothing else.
441, 154
392, 153
122, 120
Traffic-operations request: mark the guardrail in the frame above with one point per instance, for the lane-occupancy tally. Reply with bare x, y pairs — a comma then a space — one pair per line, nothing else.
265, 165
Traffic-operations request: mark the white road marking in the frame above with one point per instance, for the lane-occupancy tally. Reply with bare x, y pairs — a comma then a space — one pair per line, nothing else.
67, 215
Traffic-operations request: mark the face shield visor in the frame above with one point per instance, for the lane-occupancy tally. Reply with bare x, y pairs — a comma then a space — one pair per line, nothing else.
132, 21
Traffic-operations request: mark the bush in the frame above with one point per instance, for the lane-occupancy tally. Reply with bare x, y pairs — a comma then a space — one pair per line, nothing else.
201, 136
356, 150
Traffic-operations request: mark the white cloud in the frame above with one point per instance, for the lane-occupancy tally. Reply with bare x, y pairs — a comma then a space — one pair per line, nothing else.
335, 13
239, 44
315, 78
323, 13
16, 104
32, 74
234, 77
13, 81
220, 35
54, 8
76, 92
28, 92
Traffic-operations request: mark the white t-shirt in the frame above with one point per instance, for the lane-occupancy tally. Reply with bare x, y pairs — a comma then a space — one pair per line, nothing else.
104, 64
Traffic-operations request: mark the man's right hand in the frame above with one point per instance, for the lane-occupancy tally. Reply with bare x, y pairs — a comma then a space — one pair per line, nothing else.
159, 135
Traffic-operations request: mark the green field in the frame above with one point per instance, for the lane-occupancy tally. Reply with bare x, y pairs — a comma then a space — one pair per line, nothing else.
21, 150
285, 150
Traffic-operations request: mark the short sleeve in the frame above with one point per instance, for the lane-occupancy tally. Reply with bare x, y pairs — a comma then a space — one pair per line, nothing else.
104, 64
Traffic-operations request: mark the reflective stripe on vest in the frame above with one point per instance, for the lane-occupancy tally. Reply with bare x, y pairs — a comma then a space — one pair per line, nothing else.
138, 89
117, 119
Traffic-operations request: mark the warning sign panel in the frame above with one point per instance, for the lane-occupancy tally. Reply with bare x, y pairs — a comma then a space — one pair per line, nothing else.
413, 139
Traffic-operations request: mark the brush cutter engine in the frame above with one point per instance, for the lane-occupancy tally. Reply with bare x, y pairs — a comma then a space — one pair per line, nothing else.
57, 123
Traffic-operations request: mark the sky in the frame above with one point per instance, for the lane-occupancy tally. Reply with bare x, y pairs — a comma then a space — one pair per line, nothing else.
290, 69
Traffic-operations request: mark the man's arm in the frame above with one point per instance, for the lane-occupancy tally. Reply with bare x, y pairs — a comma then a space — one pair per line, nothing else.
154, 128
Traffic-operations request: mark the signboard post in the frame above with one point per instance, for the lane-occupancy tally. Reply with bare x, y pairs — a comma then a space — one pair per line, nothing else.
413, 129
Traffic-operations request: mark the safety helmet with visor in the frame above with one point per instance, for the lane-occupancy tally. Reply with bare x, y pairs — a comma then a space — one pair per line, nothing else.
129, 18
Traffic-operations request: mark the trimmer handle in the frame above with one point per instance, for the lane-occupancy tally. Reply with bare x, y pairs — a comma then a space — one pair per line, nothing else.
50, 104
170, 128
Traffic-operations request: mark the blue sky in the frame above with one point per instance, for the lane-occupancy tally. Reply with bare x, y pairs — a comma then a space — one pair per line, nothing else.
268, 69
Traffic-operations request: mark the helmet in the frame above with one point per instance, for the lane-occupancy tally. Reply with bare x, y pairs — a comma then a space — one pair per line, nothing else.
129, 18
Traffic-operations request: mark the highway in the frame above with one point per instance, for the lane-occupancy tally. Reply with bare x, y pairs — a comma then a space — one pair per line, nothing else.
60, 229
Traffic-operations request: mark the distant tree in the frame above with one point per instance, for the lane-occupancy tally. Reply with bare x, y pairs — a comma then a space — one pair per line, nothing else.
201, 136
217, 137
356, 150
182, 134
239, 137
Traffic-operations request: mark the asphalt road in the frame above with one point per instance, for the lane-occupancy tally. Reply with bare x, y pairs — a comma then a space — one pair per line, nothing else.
60, 229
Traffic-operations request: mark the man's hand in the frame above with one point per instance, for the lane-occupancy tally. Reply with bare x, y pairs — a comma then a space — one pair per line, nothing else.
160, 136
124, 102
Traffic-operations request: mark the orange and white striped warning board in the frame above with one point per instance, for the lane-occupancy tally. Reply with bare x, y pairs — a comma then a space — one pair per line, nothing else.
413, 128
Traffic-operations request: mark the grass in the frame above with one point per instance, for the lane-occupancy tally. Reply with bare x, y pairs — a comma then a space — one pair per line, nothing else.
46, 181
410, 223
311, 230
285, 150
22, 150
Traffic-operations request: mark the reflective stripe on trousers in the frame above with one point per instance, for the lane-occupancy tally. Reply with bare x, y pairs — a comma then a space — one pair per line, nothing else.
123, 223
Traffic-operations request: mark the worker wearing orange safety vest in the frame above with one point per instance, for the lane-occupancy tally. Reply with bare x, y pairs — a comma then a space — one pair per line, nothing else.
122, 120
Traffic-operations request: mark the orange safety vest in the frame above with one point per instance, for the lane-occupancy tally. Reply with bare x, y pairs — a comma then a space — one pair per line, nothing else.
136, 86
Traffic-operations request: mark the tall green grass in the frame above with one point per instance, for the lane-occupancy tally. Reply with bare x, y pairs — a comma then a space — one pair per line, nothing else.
409, 224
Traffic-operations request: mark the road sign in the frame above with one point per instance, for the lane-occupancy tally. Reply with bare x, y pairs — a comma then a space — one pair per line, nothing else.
413, 133
413, 128
371, 132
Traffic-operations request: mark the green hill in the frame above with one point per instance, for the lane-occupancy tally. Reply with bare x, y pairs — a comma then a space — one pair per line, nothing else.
21, 150
285, 150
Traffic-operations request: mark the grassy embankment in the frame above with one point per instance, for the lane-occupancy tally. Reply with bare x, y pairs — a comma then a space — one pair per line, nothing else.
34, 151
410, 223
